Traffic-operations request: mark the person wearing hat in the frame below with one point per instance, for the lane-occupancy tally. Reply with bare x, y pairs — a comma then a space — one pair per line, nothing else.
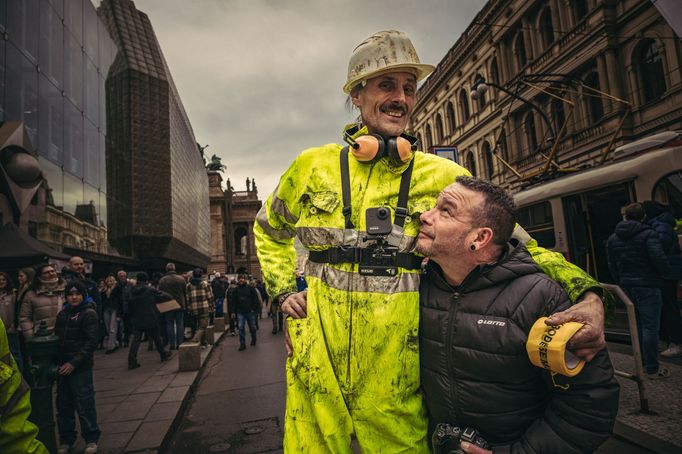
77, 327
354, 371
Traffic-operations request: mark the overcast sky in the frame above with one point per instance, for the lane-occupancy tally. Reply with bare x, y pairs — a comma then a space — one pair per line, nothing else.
261, 79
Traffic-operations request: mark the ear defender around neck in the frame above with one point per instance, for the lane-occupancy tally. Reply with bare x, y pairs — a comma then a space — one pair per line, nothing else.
370, 148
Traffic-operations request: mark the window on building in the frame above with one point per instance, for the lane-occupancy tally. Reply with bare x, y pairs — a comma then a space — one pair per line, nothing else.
439, 129
240, 241
471, 163
464, 105
502, 145
546, 27
649, 60
451, 117
558, 114
520, 51
489, 160
481, 96
668, 191
595, 107
580, 9
429, 137
421, 142
530, 132
33, 229
494, 72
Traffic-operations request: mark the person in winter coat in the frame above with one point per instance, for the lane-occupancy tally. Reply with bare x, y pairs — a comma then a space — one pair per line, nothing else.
8, 298
42, 302
660, 218
18, 434
174, 284
478, 375
24, 278
111, 313
200, 304
76, 271
122, 293
143, 318
350, 323
637, 263
246, 302
77, 327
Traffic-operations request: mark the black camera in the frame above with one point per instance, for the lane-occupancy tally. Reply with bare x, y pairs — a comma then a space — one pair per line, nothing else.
446, 439
378, 220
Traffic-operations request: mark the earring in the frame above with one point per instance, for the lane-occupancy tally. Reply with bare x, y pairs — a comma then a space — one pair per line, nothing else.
472, 247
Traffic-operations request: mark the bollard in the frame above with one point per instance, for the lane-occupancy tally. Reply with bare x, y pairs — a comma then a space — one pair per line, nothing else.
210, 334
189, 356
219, 326
42, 350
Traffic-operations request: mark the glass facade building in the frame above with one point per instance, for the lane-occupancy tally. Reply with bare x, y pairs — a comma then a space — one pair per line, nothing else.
54, 60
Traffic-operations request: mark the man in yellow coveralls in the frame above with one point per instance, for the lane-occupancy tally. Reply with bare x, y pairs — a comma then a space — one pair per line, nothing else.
354, 332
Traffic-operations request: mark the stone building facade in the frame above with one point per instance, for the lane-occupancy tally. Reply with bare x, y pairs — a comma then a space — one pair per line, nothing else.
233, 213
161, 208
621, 50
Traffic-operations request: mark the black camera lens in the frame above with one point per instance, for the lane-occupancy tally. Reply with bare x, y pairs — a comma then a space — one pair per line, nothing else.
382, 213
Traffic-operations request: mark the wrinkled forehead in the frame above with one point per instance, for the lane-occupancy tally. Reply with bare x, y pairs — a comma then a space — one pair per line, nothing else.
460, 196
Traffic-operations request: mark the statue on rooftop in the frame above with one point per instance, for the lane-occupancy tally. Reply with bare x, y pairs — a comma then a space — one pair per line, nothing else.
215, 164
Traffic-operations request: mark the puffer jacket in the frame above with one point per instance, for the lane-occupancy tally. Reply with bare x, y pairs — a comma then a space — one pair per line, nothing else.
18, 434
664, 225
477, 374
245, 299
77, 329
38, 305
635, 255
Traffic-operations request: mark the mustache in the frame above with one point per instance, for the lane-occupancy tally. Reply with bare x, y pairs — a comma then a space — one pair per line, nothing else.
395, 106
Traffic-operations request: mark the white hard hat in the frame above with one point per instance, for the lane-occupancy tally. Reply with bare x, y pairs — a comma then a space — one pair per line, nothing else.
388, 50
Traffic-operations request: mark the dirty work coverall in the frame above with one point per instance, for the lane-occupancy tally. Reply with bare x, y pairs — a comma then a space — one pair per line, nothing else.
17, 433
355, 367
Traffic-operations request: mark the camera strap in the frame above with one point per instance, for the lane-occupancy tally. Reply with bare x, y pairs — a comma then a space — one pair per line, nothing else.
400, 211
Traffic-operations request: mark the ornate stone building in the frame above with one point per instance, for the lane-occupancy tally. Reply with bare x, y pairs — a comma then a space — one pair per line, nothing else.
233, 248
599, 73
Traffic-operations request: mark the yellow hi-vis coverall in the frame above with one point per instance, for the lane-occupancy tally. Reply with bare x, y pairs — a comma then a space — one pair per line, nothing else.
17, 433
355, 366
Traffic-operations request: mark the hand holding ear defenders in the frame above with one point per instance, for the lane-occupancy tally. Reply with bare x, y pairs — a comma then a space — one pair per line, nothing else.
372, 147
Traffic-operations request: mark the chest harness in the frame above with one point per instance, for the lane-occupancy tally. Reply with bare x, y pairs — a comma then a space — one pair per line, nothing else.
381, 257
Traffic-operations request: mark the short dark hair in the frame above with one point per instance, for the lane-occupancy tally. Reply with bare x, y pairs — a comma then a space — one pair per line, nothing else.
498, 211
634, 212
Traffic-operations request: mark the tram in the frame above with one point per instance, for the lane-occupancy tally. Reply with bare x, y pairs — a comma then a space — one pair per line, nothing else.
575, 214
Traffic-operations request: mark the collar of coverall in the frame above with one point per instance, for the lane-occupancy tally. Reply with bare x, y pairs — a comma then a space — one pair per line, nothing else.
398, 170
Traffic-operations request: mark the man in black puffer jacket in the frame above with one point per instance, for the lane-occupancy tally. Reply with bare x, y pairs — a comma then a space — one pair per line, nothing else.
77, 327
479, 299
637, 263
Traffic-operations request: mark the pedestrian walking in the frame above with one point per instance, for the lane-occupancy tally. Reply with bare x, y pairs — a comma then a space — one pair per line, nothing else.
230, 306
174, 284
200, 303
77, 327
24, 278
246, 303
143, 318
123, 294
8, 315
111, 313
637, 263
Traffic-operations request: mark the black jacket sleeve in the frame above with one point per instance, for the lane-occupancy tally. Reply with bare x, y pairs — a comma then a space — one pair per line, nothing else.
90, 327
582, 409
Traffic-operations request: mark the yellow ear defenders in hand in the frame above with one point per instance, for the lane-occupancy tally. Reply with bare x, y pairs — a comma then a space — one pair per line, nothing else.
370, 148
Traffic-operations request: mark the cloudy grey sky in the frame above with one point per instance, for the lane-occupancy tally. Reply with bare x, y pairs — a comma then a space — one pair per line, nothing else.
261, 79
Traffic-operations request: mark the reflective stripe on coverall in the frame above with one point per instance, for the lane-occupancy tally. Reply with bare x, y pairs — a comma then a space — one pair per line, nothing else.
17, 433
355, 366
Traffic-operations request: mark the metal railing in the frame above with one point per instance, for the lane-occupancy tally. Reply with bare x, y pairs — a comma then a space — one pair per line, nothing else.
638, 376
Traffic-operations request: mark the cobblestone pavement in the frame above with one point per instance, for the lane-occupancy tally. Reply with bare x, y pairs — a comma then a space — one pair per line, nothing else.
661, 429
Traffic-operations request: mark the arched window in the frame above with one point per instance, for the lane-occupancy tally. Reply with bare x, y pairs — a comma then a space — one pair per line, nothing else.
531, 135
451, 117
558, 115
464, 105
520, 51
429, 138
580, 9
546, 27
595, 107
240, 237
649, 60
494, 72
420, 142
439, 129
502, 145
471, 163
481, 96
489, 160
